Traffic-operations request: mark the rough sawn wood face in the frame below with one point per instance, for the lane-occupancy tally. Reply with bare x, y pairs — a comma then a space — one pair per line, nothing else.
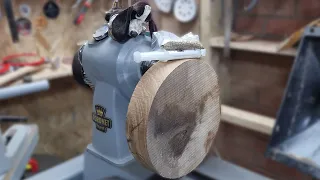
173, 116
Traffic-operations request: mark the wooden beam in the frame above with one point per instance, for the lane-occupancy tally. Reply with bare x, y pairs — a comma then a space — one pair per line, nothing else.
267, 47
249, 120
205, 28
210, 26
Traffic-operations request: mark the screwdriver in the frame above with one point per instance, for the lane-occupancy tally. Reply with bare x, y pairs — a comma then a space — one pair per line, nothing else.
83, 11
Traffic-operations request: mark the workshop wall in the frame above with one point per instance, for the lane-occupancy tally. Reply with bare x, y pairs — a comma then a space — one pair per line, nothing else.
246, 149
63, 113
60, 33
63, 35
167, 21
257, 81
64, 119
274, 19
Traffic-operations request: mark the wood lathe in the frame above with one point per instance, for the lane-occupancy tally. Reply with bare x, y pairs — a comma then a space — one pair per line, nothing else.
154, 111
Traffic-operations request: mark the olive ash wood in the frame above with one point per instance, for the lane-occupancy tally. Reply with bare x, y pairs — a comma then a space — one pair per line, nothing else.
173, 116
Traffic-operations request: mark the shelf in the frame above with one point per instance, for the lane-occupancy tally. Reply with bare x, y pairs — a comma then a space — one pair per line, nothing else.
267, 47
37, 74
50, 74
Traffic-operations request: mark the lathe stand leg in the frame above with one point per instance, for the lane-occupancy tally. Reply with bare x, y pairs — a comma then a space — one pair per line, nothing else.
98, 167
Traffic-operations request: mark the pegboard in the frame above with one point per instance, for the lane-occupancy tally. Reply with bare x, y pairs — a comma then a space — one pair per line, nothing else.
61, 33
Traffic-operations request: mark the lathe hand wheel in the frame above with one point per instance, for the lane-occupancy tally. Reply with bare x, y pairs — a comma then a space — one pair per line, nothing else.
173, 116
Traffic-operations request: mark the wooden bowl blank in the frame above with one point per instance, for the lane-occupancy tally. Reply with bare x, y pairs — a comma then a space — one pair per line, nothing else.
173, 116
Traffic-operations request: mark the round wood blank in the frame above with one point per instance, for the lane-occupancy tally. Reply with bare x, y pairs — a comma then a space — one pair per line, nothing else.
173, 116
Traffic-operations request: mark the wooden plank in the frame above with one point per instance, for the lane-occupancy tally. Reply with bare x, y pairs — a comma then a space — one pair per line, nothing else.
249, 120
205, 29
267, 47
295, 37
228, 14
50, 74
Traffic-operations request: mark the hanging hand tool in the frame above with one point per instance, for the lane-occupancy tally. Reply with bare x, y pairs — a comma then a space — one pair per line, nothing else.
24, 26
25, 67
41, 23
8, 62
11, 20
82, 12
25, 10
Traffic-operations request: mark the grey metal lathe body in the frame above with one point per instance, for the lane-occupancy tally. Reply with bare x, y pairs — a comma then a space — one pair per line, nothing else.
113, 74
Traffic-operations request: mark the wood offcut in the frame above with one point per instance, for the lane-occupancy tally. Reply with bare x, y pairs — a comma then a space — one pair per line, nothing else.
173, 116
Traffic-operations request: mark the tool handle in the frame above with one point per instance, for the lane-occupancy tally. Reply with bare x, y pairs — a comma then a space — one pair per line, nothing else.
13, 119
7, 59
11, 20
82, 12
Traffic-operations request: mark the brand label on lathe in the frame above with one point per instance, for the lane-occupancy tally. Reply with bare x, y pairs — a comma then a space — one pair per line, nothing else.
99, 117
